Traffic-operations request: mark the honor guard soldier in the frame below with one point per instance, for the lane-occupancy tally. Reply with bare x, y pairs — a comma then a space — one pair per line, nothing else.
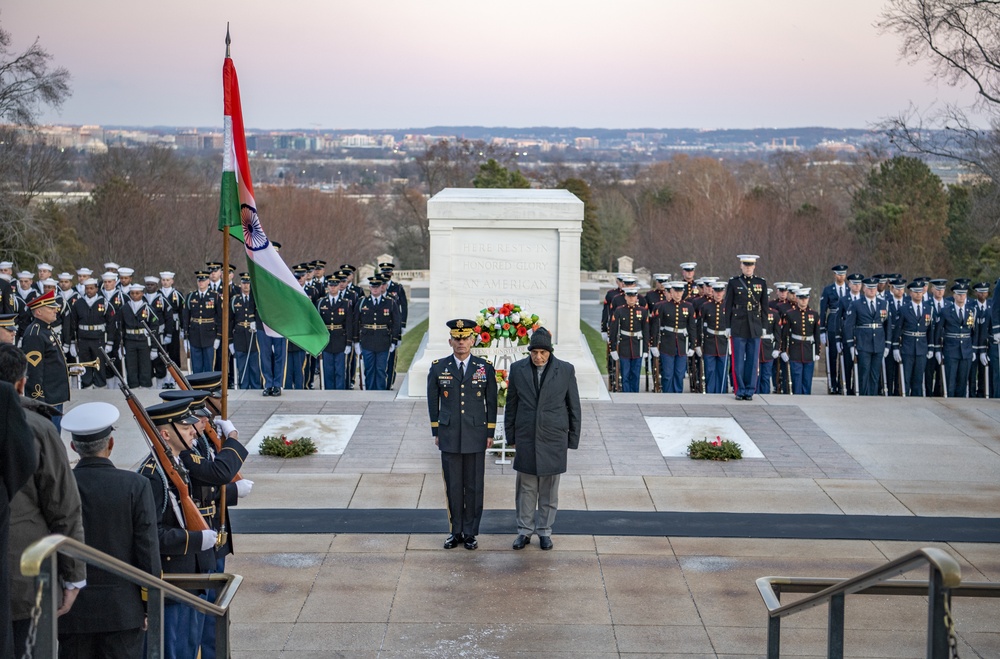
214, 270
7, 287
829, 304
139, 352
659, 293
672, 330
181, 551
155, 300
835, 329
115, 299
376, 334
25, 292
800, 343
934, 375
202, 325
44, 272
994, 331
868, 336
770, 343
713, 342
8, 328
606, 309
913, 338
337, 313
956, 325
295, 357
82, 275
462, 405
90, 317
172, 341
48, 375
896, 298
629, 333
243, 336
746, 314
347, 292
125, 280
687, 275
395, 291
983, 370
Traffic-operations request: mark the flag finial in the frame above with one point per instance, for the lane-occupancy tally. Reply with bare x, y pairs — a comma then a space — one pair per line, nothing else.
227, 39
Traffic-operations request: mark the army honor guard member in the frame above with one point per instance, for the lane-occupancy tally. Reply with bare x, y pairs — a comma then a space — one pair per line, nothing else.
462, 403
746, 307
48, 376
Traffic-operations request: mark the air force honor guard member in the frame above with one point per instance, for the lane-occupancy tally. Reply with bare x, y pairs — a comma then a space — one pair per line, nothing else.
913, 338
462, 403
746, 307
868, 336
955, 327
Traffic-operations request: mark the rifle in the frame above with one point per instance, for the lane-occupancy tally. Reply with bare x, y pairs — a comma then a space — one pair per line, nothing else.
172, 367
843, 374
360, 361
654, 363
885, 379
944, 379
857, 387
169, 465
649, 367
829, 375
701, 372
902, 385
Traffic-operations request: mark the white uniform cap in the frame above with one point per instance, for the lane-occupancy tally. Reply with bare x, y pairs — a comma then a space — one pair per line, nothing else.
24, 274
109, 276
794, 284
677, 285
49, 281
661, 277
6, 264
90, 282
111, 265
151, 280
65, 275
90, 421
803, 292
711, 280
631, 290
688, 265
44, 266
718, 286
166, 274
747, 258
136, 287
128, 272
84, 271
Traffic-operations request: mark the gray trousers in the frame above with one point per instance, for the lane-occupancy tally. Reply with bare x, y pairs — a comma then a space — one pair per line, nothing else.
533, 493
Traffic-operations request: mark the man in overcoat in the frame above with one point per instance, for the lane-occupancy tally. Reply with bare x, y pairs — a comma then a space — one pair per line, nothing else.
543, 421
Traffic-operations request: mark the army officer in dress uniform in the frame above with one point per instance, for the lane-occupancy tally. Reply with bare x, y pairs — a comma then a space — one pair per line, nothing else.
746, 307
48, 377
462, 403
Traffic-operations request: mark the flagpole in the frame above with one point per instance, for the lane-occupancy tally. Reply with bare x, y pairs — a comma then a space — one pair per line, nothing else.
225, 302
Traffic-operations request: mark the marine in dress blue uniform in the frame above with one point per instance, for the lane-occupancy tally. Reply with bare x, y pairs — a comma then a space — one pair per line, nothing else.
770, 342
462, 405
672, 331
868, 336
956, 325
629, 335
713, 344
746, 306
800, 343
913, 336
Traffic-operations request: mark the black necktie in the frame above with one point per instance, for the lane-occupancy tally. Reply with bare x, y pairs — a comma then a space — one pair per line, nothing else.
461, 371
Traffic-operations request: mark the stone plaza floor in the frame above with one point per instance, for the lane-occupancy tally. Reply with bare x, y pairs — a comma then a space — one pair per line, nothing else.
611, 594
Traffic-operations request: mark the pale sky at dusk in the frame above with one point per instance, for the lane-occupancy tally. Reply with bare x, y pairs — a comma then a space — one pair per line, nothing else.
340, 64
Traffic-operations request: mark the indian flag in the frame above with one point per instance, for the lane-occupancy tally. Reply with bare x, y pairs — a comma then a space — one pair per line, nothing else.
282, 306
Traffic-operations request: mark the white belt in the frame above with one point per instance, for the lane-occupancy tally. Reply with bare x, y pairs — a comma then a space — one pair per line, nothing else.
635, 335
769, 337
716, 333
870, 326
807, 339
682, 332
92, 328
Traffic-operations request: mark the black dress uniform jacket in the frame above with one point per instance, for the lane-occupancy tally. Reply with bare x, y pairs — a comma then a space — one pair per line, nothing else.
629, 333
338, 316
203, 319
244, 323
672, 326
377, 325
800, 335
711, 330
48, 379
463, 411
119, 518
746, 306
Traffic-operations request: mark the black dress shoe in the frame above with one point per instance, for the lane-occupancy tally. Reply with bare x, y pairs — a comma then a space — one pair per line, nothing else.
748, 397
275, 391
470, 542
521, 541
545, 542
267, 391
452, 540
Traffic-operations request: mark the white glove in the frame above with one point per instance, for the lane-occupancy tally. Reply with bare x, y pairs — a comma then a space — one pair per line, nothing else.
187, 347
253, 325
167, 340
654, 351
216, 344
604, 336
885, 353
815, 358
243, 488
690, 352
614, 355
66, 348
983, 359
208, 539
227, 428
939, 357
183, 337
729, 332
775, 353
72, 350
854, 353
108, 347
357, 348
392, 348
347, 350
896, 355
840, 347
996, 338
698, 350
930, 354
784, 357
232, 349
822, 338
154, 354
644, 355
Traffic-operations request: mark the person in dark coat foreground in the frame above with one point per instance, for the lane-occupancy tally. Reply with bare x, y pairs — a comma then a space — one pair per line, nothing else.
543, 421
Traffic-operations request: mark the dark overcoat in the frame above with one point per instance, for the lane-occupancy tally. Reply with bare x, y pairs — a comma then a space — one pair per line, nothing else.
543, 423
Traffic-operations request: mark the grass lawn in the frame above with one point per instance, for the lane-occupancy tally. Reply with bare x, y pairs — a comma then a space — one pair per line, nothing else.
409, 344
597, 346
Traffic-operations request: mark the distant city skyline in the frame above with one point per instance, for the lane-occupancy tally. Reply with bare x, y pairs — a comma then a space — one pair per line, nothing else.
384, 64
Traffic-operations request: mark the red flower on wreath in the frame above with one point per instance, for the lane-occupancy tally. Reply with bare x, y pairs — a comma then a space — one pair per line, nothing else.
485, 336
521, 330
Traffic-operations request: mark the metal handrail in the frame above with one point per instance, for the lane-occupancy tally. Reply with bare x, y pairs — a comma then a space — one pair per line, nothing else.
945, 579
40, 560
